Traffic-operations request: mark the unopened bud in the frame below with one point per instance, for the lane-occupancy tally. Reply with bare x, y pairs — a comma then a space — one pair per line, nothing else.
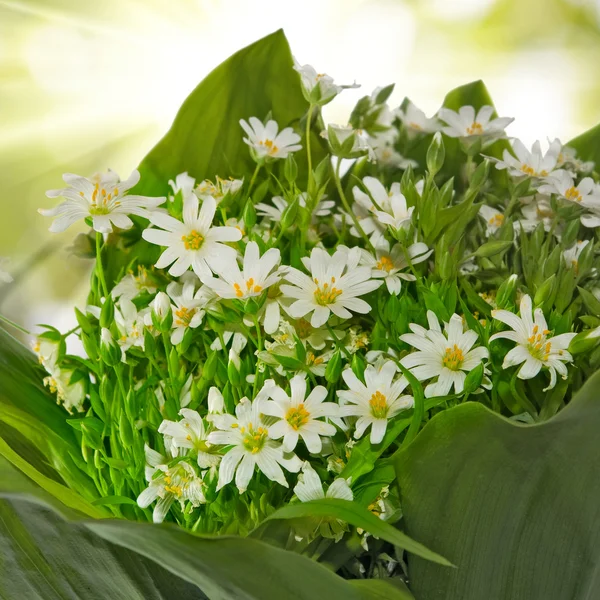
436, 154
585, 341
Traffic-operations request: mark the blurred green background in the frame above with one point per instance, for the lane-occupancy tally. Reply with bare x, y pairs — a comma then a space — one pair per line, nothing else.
87, 85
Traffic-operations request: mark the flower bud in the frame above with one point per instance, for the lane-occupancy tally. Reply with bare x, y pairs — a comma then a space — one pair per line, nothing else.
216, 403
233, 368
436, 154
506, 292
109, 352
585, 341
545, 291
334, 368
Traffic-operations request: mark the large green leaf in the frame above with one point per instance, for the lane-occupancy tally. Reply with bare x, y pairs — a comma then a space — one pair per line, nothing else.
206, 139
354, 514
588, 145
515, 507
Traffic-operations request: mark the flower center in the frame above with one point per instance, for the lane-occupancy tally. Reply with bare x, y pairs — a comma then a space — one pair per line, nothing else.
183, 316
303, 328
496, 220
251, 288
415, 126
453, 358
573, 194
312, 360
297, 417
254, 439
475, 129
192, 241
537, 345
271, 147
101, 200
326, 294
378, 404
385, 264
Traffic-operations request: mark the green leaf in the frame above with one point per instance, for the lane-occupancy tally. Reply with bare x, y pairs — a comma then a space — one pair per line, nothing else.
515, 507
206, 139
354, 514
492, 248
384, 589
587, 145
474, 94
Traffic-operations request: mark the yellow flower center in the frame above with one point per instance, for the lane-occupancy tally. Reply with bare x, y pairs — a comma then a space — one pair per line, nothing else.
251, 288
271, 147
192, 241
183, 316
527, 170
496, 220
475, 129
385, 264
254, 439
312, 360
453, 358
537, 345
297, 417
415, 126
573, 194
378, 404
101, 200
326, 294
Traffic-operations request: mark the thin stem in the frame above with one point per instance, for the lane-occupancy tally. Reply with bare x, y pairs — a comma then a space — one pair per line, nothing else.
71, 331
308, 153
344, 200
99, 267
13, 324
253, 179
339, 345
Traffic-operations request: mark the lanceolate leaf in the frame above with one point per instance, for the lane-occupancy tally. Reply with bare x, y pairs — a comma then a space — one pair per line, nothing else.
587, 145
206, 139
515, 507
354, 514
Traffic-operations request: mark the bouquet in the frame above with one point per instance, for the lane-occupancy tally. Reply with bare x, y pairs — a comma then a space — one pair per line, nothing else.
347, 343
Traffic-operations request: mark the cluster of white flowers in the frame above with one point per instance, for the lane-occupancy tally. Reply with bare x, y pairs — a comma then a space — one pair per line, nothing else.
277, 300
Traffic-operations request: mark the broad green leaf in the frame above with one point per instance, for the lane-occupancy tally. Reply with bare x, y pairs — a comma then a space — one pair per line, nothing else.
515, 507
587, 145
50, 552
385, 589
206, 138
354, 514
474, 94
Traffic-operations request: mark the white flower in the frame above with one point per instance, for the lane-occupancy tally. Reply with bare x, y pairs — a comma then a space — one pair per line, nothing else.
216, 402
251, 447
447, 355
187, 308
256, 275
378, 208
571, 255
376, 402
389, 265
130, 324
309, 486
179, 482
274, 213
535, 348
104, 200
319, 87
568, 158
70, 395
195, 242
133, 285
343, 132
47, 351
561, 182
183, 183
220, 188
493, 219
266, 143
386, 154
190, 434
537, 210
161, 305
5, 277
299, 416
466, 124
530, 164
414, 119
333, 286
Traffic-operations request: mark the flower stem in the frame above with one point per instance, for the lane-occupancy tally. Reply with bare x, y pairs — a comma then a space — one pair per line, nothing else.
344, 200
339, 345
253, 179
308, 153
99, 267
13, 324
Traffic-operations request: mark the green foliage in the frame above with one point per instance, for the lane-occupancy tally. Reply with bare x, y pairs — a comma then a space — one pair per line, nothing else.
515, 507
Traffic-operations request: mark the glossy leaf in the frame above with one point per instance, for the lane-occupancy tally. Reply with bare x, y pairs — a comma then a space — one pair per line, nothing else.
515, 507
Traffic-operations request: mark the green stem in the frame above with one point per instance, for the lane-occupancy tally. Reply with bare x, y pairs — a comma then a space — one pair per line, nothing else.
308, 153
13, 324
253, 179
339, 345
99, 267
344, 200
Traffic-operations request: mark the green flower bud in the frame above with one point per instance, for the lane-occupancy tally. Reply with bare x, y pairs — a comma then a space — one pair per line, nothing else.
545, 291
234, 368
289, 215
334, 368
210, 366
436, 154
107, 314
249, 215
290, 169
506, 292
109, 351
473, 379
585, 341
359, 365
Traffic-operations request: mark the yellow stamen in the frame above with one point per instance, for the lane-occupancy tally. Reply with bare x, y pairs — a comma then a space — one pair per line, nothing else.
192, 241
